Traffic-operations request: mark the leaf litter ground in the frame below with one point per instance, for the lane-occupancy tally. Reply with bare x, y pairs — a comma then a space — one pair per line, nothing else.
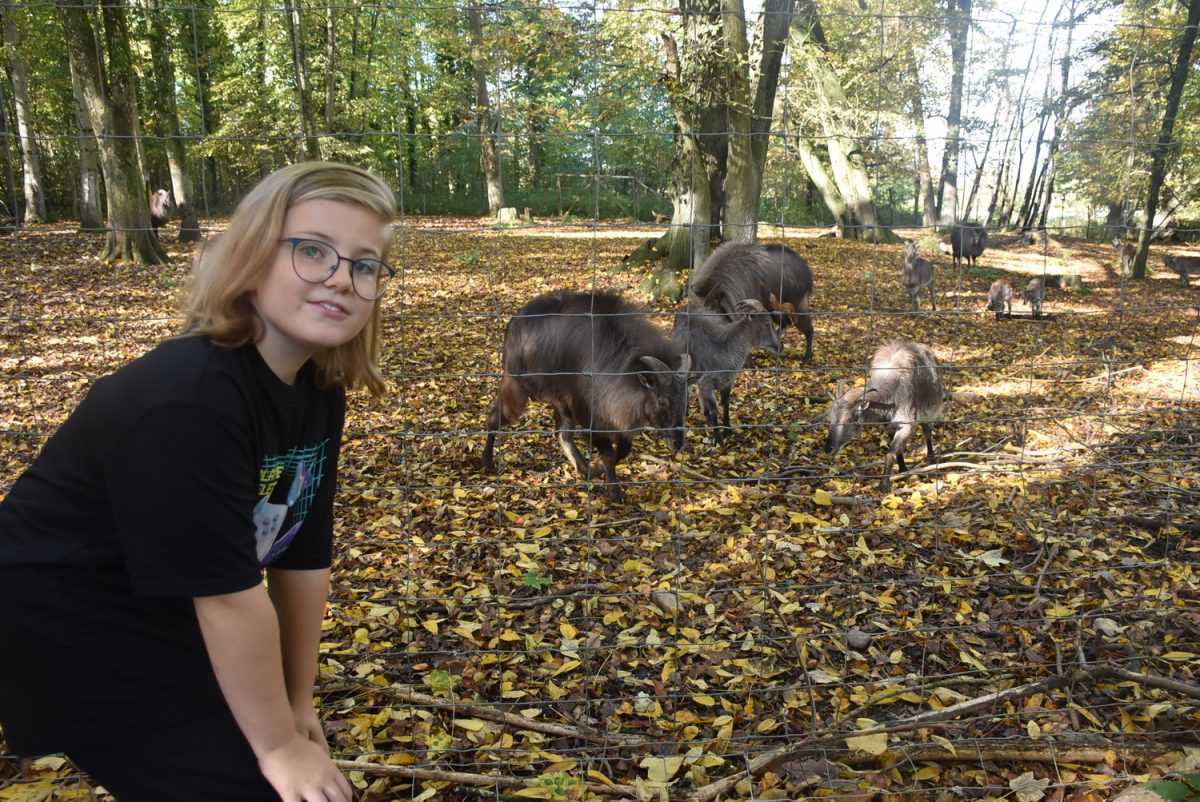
756, 621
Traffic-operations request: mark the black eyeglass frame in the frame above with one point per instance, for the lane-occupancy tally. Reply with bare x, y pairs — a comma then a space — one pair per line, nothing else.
387, 282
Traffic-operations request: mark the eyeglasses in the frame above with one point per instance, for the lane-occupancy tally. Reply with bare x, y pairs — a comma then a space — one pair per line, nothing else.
315, 261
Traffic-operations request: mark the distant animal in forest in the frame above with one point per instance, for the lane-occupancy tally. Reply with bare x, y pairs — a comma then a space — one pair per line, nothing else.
1034, 295
916, 275
719, 347
967, 241
904, 388
161, 208
1125, 253
1183, 266
1000, 297
607, 371
737, 271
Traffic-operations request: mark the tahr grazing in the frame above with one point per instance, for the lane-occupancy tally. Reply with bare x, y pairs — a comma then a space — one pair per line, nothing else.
607, 371
718, 348
904, 388
1034, 295
1000, 297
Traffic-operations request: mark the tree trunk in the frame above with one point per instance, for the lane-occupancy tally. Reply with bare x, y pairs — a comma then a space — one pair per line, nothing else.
742, 180
820, 179
834, 113
924, 178
1158, 164
330, 66
748, 121
960, 27
91, 213
166, 110
109, 97
195, 32
10, 180
295, 28
35, 200
1062, 110
489, 158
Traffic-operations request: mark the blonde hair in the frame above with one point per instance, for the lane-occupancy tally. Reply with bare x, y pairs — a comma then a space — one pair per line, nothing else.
218, 304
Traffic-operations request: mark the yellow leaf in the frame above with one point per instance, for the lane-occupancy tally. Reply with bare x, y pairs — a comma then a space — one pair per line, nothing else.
875, 744
431, 624
1179, 656
565, 667
470, 724
598, 777
567, 630
927, 773
661, 769
362, 636
535, 792
704, 699
944, 743
1033, 729
823, 498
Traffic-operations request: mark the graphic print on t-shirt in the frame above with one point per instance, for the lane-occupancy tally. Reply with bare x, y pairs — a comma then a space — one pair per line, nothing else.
285, 484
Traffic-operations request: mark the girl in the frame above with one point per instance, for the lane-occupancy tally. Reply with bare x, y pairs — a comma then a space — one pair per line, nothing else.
139, 636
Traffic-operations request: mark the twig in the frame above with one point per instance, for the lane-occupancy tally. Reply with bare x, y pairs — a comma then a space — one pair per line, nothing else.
1026, 751
773, 758
1163, 683
847, 501
508, 719
468, 778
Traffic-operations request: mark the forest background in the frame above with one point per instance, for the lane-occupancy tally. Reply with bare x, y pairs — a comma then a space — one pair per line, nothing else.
758, 621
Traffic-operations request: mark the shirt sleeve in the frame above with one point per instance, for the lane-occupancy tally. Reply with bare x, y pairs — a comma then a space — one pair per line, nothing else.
182, 486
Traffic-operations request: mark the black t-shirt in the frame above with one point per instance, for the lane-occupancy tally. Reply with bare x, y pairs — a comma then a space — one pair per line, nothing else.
180, 475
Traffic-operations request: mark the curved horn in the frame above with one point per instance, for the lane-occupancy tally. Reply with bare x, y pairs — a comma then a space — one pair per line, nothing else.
662, 370
685, 363
752, 304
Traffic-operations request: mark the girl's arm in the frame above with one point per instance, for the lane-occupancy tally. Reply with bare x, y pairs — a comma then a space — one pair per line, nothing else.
299, 598
241, 634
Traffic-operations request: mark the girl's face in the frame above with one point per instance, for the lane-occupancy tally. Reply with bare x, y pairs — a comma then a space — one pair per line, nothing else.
301, 319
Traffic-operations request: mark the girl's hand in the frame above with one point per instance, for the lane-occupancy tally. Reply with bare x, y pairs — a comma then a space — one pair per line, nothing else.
309, 726
301, 771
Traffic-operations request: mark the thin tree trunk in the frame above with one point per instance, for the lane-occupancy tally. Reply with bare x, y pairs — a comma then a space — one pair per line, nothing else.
924, 178
195, 33
167, 111
10, 180
295, 28
91, 213
1158, 164
1061, 113
330, 68
35, 200
489, 158
960, 22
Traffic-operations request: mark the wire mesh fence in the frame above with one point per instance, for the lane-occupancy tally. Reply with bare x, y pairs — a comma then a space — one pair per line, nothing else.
756, 618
